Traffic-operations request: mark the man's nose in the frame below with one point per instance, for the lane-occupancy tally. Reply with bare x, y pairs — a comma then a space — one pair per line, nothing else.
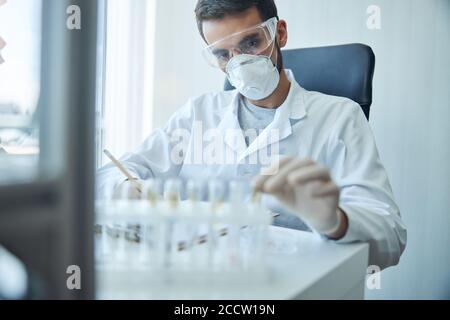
234, 52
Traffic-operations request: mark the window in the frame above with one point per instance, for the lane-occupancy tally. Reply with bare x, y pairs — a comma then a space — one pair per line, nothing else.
20, 25
124, 118
48, 99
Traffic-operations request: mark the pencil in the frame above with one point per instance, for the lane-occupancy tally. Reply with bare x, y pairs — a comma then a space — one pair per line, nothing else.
122, 169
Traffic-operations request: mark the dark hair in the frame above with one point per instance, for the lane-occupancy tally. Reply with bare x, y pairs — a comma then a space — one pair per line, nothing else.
218, 9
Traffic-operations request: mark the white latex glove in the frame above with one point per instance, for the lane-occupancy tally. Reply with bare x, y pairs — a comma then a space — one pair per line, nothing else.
129, 189
306, 189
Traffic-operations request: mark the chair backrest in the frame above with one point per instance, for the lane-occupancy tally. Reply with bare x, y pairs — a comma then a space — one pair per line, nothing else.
343, 70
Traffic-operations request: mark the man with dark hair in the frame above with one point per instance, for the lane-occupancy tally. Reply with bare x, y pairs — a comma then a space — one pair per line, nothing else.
329, 178
210, 10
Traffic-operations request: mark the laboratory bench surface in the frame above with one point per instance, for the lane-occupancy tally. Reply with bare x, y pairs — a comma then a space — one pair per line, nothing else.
301, 266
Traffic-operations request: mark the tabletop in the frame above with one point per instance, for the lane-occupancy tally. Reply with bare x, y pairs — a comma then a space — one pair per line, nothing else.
300, 265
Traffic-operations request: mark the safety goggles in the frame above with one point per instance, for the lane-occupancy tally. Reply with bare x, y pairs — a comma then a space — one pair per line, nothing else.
252, 41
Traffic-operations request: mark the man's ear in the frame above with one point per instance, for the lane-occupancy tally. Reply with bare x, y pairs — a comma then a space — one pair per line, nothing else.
282, 34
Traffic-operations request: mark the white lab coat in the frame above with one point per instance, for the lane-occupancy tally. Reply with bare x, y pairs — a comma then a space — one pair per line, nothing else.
330, 130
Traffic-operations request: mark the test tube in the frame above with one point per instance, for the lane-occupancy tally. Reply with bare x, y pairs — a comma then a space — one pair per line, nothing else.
103, 247
256, 197
128, 197
111, 232
149, 225
237, 192
172, 191
119, 229
194, 192
216, 192
185, 225
194, 189
150, 191
196, 227
256, 230
216, 245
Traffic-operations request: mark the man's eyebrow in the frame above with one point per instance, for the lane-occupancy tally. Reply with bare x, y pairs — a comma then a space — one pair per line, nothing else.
219, 50
242, 41
249, 37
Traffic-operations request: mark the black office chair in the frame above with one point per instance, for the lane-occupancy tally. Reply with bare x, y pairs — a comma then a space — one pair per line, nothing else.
344, 70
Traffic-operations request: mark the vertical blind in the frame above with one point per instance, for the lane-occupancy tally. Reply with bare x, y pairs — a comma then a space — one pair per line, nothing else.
126, 110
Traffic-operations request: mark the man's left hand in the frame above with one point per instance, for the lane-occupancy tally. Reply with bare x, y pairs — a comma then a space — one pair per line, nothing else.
307, 189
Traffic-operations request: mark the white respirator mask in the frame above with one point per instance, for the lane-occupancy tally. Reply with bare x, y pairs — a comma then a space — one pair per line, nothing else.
243, 56
255, 77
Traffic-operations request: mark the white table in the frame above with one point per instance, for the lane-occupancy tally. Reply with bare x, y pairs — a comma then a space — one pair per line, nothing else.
302, 266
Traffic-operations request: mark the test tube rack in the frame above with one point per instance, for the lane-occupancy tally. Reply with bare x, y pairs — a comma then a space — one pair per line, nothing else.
166, 235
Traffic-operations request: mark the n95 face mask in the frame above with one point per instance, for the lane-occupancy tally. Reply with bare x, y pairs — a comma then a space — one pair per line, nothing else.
255, 77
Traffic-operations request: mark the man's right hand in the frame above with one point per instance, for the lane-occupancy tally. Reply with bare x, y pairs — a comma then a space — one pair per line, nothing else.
129, 189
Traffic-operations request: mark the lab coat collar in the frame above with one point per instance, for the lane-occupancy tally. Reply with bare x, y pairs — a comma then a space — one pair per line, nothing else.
292, 108
230, 124
295, 99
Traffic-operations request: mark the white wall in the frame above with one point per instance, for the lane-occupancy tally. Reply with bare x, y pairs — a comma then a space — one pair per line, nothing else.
180, 71
410, 115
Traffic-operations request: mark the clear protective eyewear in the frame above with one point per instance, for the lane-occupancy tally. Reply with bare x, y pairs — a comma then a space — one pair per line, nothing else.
252, 41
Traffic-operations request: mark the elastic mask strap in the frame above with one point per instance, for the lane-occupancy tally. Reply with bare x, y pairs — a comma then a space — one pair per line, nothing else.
270, 57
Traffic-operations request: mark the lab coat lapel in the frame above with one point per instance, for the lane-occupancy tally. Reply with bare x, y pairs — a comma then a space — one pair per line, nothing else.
230, 128
280, 128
